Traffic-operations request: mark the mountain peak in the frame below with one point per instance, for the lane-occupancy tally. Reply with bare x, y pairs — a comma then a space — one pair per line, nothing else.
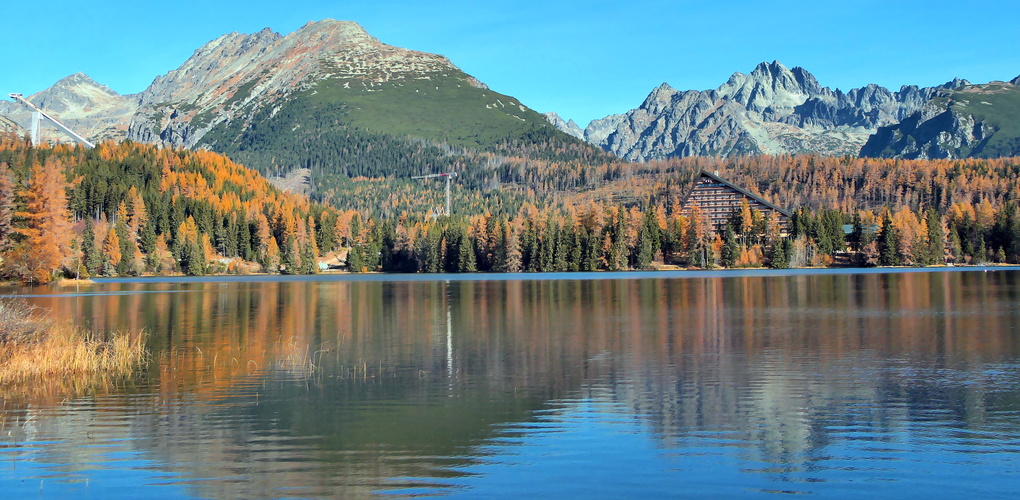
235, 75
87, 107
772, 110
78, 80
336, 31
329, 23
806, 80
74, 87
570, 127
954, 83
773, 70
770, 86
659, 98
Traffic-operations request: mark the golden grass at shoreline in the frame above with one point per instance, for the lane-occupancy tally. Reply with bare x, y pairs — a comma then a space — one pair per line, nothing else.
35, 352
66, 352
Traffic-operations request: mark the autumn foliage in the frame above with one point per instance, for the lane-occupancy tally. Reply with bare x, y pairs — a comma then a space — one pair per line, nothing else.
128, 209
147, 210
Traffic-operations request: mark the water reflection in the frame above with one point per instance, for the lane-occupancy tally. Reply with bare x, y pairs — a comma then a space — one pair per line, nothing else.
807, 383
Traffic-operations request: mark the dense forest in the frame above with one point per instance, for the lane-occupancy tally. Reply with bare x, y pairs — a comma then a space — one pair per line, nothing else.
370, 169
129, 209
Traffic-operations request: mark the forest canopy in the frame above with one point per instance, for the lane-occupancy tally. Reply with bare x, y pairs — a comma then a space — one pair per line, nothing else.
129, 209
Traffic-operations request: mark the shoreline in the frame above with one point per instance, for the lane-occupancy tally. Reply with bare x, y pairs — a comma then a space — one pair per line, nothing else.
376, 276
554, 276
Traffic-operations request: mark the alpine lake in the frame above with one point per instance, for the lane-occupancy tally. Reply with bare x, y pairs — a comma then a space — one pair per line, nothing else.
829, 383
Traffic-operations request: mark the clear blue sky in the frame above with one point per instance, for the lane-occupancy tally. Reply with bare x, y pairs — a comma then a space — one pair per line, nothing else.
583, 59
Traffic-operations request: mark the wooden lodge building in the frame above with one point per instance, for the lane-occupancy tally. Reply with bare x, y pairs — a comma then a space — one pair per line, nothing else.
718, 199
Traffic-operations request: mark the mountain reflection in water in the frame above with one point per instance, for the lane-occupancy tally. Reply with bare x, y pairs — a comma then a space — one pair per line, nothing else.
832, 384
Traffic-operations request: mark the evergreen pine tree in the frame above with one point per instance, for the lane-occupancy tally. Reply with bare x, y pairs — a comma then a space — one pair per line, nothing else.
90, 254
126, 266
730, 249
354, 263
981, 252
289, 259
148, 241
778, 258
888, 243
466, 255
433, 249
196, 261
309, 259
646, 248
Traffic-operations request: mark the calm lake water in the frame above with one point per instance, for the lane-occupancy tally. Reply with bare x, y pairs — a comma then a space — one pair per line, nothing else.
647, 385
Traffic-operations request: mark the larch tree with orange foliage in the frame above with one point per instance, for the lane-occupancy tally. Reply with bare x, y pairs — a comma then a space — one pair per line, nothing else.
6, 204
46, 235
111, 252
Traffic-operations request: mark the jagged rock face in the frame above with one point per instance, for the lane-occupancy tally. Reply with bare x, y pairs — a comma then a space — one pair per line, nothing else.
570, 127
92, 110
599, 130
223, 77
959, 122
932, 133
772, 110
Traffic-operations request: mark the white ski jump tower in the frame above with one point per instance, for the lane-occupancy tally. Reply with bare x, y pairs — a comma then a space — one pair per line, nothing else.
38, 115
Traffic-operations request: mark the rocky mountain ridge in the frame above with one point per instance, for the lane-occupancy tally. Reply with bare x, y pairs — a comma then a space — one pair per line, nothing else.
981, 121
772, 110
231, 76
570, 127
89, 108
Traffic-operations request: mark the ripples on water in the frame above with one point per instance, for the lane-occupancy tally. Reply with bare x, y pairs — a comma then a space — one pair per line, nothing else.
835, 386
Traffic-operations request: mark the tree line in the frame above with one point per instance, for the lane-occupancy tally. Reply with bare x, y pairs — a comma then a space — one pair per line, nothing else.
129, 209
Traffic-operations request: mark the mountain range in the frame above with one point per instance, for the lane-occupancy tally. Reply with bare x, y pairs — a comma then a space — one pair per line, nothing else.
278, 102
771, 110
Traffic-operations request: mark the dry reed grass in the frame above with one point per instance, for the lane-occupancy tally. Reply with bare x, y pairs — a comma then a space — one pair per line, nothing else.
35, 351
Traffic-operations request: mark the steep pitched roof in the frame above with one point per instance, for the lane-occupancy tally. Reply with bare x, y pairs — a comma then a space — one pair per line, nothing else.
739, 189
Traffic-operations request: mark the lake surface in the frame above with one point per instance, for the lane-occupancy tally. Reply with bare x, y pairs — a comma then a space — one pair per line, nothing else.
833, 384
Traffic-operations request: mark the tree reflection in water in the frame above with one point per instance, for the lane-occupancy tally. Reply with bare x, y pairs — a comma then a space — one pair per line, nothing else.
327, 387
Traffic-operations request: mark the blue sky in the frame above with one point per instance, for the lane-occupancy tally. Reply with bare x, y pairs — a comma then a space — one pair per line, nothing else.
583, 59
